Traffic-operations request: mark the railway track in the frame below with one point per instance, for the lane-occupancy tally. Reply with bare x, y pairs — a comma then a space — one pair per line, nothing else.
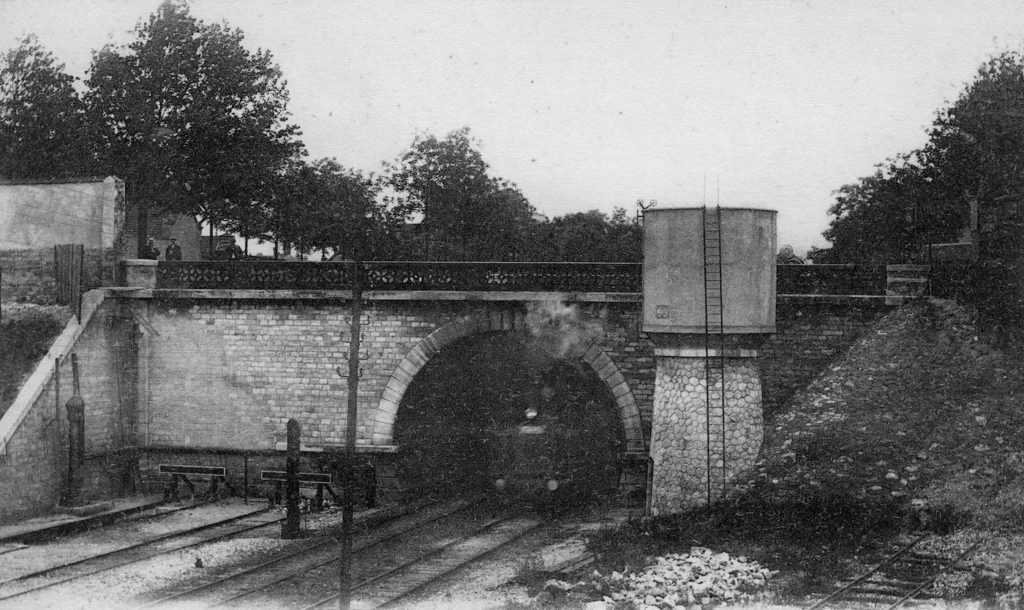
26, 589
308, 556
902, 578
17, 591
390, 563
392, 586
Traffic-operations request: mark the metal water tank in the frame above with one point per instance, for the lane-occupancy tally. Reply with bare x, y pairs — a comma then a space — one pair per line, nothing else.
675, 282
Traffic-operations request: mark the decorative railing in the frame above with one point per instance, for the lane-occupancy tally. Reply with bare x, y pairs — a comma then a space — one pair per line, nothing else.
505, 277
484, 276
251, 275
403, 275
831, 279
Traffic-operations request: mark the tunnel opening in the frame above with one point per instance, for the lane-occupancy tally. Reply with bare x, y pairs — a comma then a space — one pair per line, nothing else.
495, 413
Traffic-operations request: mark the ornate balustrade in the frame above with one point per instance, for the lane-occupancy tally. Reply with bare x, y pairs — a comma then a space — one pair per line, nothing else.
403, 275
483, 276
831, 279
253, 275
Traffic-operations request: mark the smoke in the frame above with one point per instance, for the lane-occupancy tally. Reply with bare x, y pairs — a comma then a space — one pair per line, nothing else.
560, 330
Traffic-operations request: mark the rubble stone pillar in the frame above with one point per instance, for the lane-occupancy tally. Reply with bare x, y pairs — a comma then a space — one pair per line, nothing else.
679, 429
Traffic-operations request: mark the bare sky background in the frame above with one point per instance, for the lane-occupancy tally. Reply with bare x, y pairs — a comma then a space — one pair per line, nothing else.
592, 105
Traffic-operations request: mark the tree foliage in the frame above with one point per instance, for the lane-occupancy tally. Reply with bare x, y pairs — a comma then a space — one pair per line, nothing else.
466, 214
327, 207
974, 156
590, 236
42, 126
192, 120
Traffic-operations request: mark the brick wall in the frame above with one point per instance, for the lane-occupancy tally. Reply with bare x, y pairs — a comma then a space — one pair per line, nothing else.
230, 373
631, 351
29, 275
809, 336
33, 468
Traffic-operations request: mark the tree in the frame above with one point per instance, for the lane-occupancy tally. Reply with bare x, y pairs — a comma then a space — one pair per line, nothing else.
591, 236
325, 206
973, 162
42, 126
447, 184
881, 218
192, 121
974, 157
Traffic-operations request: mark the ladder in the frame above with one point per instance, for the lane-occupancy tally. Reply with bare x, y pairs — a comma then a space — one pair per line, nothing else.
714, 330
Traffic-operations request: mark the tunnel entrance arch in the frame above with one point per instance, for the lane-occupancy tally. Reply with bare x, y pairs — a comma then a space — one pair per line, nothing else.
490, 321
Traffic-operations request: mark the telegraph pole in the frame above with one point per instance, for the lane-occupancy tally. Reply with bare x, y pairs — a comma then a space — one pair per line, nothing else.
345, 566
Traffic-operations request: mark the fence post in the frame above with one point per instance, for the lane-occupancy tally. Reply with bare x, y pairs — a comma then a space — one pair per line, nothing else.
290, 527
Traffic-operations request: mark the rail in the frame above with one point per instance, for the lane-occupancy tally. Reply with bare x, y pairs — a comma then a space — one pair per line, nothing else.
483, 276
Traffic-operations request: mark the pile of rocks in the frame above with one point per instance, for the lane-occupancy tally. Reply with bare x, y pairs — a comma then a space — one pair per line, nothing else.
685, 580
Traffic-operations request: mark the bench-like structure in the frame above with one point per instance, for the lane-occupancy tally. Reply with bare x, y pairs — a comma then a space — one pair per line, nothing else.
182, 472
320, 480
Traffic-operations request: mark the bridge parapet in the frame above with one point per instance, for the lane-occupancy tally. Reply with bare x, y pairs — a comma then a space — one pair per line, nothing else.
441, 276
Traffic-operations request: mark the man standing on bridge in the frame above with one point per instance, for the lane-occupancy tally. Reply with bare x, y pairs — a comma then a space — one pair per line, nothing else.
173, 251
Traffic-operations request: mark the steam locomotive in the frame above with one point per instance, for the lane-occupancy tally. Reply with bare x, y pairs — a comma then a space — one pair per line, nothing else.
548, 464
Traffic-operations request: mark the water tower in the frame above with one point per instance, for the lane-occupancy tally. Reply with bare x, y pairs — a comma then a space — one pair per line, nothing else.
709, 302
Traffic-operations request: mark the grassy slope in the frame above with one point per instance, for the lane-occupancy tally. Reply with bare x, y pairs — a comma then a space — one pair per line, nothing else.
26, 333
919, 426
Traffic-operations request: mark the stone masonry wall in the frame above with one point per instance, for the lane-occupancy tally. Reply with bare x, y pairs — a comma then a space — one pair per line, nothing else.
35, 464
29, 275
630, 349
230, 374
263, 362
811, 334
680, 451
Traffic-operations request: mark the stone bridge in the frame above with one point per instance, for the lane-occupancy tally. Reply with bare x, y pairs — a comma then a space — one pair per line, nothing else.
216, 357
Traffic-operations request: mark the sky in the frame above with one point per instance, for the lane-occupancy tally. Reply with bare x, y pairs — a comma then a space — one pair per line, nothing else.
596, 104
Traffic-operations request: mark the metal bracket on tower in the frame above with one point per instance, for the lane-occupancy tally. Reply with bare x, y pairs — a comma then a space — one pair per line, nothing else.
643, 207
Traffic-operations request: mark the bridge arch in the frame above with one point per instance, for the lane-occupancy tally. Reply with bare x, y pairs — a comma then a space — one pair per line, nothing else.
491, 321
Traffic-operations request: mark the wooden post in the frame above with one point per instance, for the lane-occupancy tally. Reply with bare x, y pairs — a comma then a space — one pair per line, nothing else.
290, 527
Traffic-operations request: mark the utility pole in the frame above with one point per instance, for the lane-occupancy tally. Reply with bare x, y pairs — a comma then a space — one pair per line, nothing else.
345, 566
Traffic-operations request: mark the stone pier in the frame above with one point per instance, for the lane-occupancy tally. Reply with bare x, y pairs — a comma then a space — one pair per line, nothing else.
681, 428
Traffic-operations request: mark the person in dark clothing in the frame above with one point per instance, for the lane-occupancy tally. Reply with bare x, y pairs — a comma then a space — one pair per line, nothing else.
173, 251
151, 251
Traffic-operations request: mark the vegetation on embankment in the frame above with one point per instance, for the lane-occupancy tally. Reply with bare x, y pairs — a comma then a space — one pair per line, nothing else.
919, 427
26, 333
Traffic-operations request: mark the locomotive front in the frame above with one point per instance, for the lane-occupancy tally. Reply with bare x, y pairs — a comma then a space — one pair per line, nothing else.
534, 462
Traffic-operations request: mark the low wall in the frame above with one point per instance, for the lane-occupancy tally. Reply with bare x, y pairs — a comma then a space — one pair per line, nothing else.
29, 276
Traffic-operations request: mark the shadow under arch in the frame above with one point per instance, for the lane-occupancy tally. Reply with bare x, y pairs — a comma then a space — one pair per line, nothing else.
490, 321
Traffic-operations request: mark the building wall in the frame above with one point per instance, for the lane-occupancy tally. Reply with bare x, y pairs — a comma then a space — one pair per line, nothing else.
43, 215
